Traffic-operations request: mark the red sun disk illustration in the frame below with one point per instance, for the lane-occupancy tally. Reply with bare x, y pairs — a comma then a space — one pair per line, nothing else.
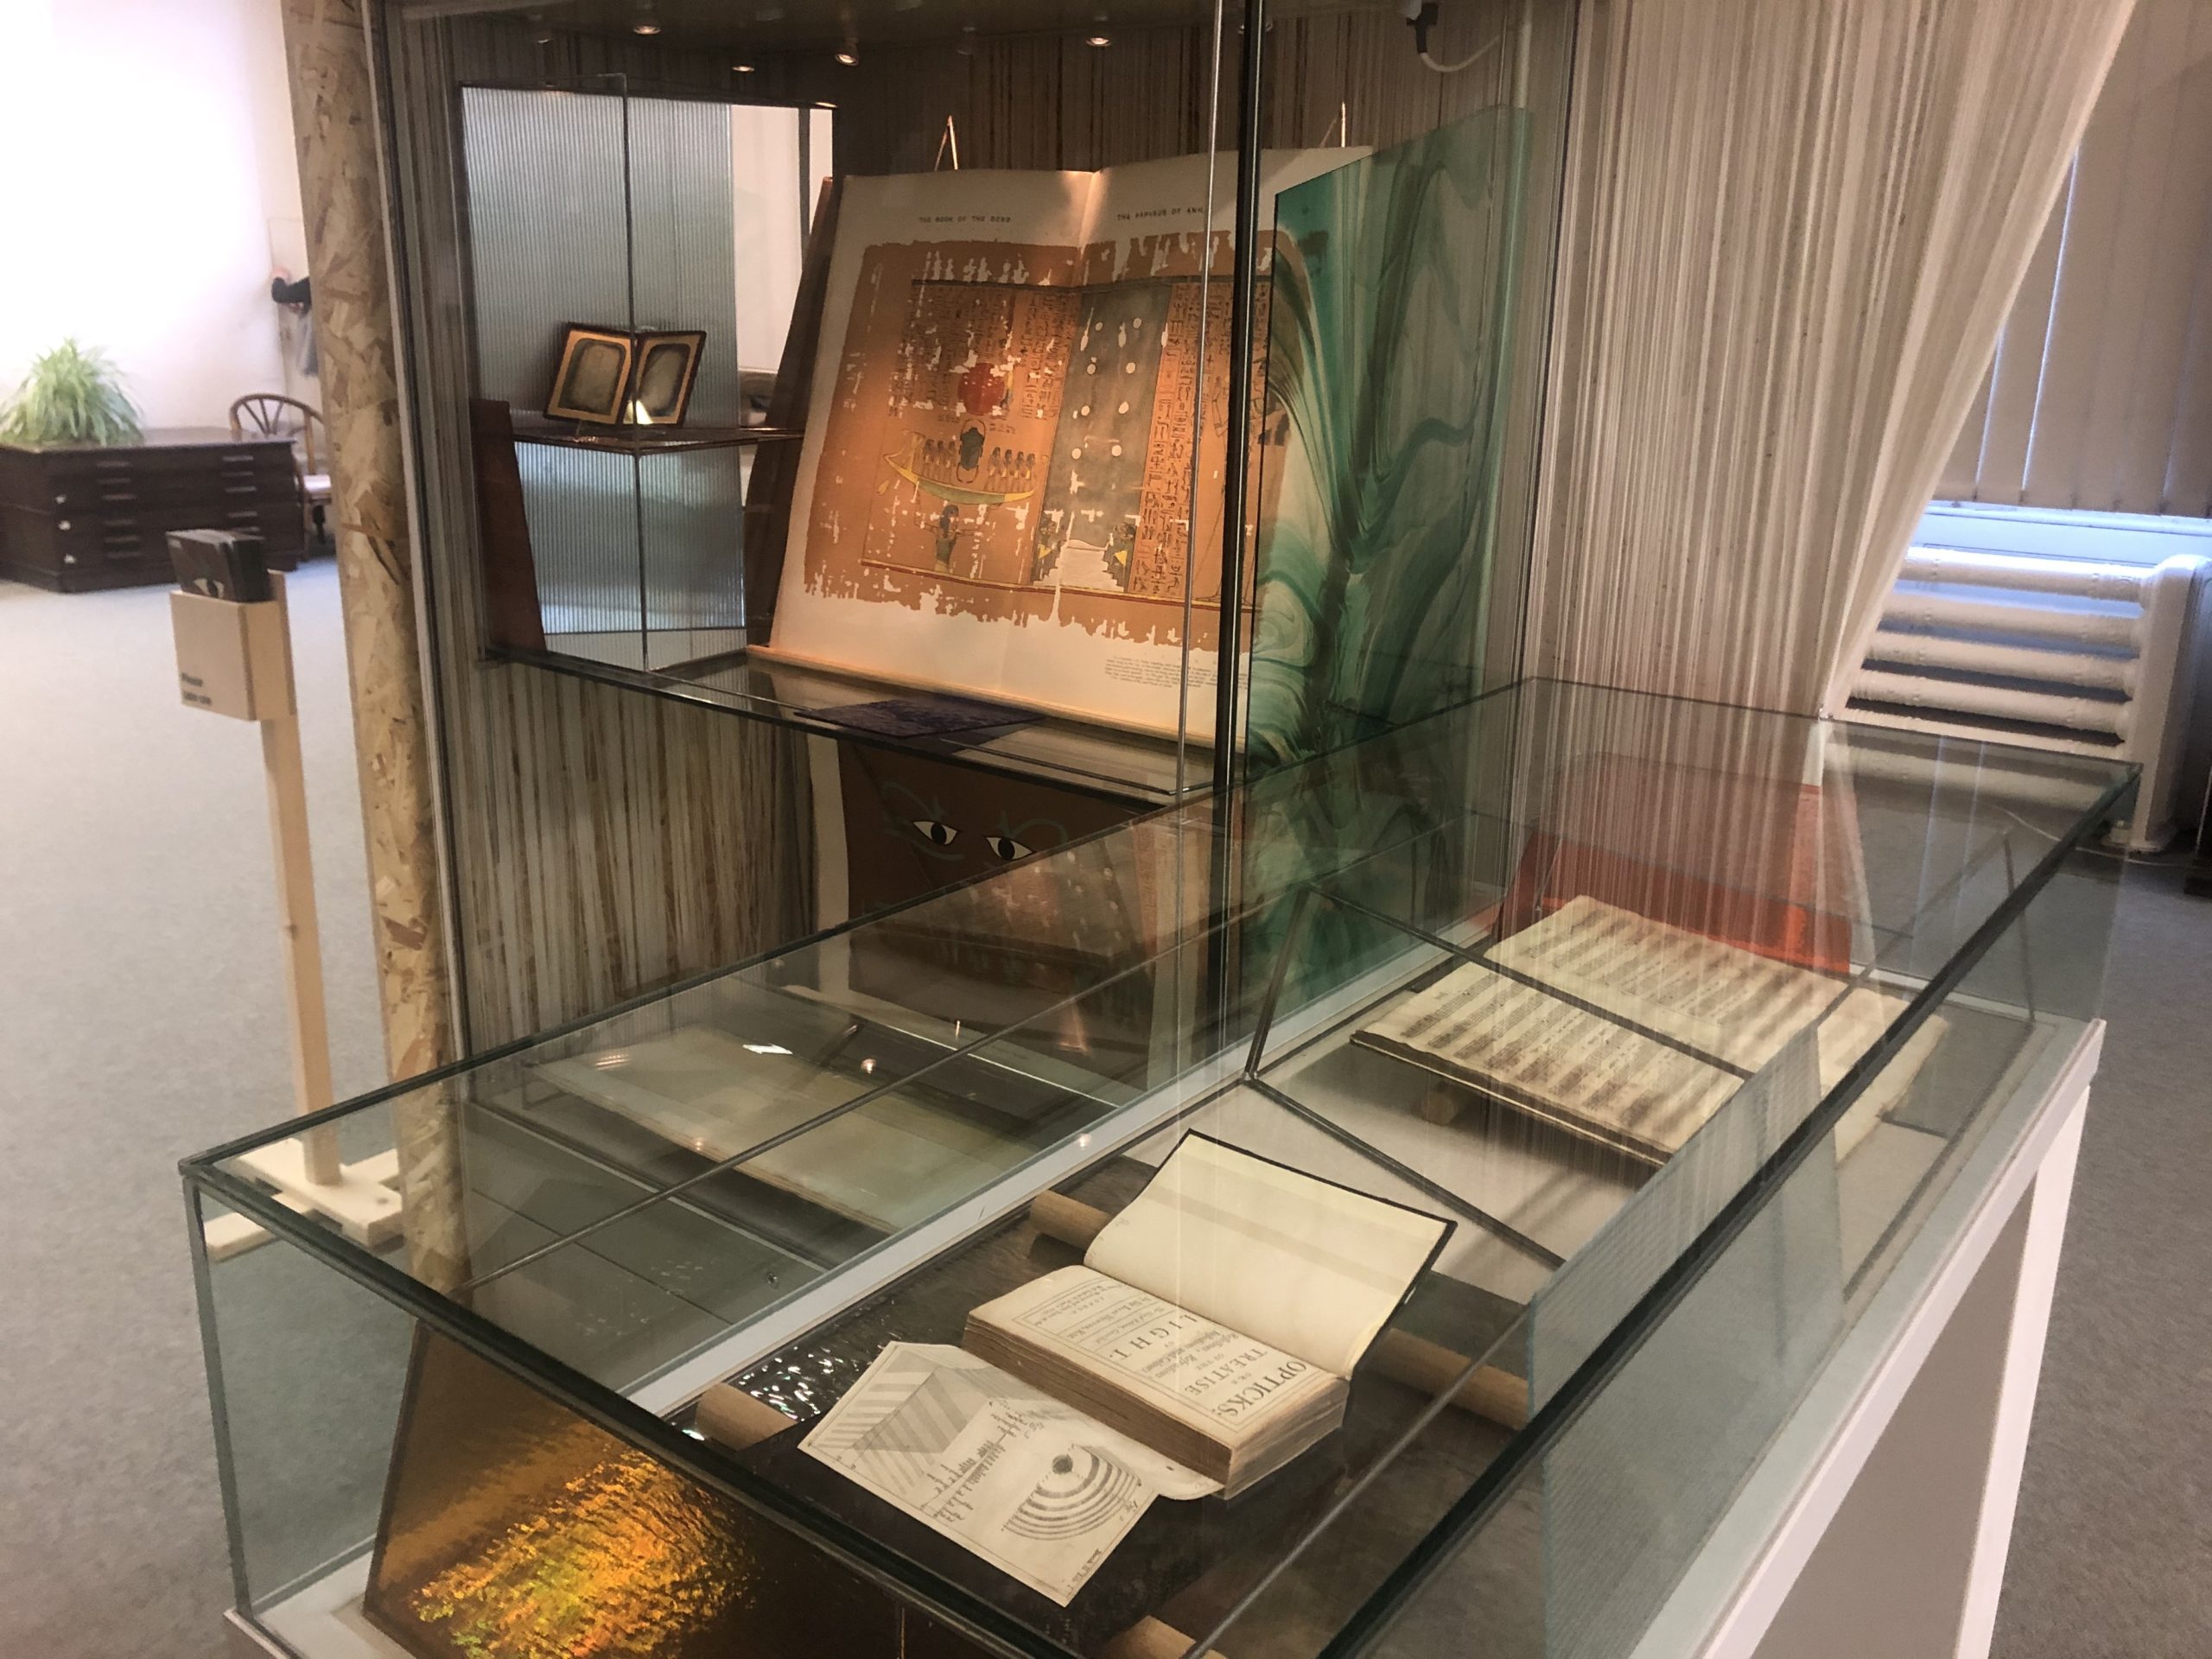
983, 389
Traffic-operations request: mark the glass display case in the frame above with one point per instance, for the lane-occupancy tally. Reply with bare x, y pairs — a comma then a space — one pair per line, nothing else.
985, 369
1408, 1196
630, 284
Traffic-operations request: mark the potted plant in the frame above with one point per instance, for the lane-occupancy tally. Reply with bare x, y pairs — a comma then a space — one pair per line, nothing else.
70, 396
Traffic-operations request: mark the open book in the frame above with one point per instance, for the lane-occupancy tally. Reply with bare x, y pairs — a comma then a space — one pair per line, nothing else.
1218, 1319
1017, 433
1206, 1339
1631, 1033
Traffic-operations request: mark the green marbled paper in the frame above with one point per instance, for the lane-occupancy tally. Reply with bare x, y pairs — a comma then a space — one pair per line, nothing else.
1388, 335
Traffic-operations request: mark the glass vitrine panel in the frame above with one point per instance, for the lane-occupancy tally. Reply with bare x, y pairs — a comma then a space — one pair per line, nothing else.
1682, 1031
1034, 361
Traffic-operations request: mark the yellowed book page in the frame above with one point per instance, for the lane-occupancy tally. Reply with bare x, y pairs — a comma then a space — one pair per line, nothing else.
1728, 1002
1562, 1061
1720, 998
1298, 1263
1221, 1380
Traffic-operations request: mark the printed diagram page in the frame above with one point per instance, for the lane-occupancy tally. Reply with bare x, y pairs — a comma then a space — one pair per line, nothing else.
1033, 1486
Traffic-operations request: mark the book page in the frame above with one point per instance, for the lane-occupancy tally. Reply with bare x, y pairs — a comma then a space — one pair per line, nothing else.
1225, 1382
1720, 998
1035, 1487
1579, 1066
1564, 1062
1299, 1263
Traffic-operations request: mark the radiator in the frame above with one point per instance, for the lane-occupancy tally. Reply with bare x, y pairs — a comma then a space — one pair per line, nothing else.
2055, 654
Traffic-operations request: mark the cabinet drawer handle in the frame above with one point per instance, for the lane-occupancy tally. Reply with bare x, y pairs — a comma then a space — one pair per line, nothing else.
118, 463
241, 489
245, 455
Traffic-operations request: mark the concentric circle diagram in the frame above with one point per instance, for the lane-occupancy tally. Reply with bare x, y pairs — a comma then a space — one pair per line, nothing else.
1081, 1493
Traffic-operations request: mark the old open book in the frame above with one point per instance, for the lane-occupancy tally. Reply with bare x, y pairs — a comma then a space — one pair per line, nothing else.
1633, 1032
1217, 1318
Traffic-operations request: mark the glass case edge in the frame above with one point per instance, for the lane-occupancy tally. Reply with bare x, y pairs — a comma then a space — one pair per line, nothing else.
1557, 1414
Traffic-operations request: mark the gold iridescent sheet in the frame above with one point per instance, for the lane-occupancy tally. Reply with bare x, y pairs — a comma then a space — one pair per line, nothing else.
515, 1529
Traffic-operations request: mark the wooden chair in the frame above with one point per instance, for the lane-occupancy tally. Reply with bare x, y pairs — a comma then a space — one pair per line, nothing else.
272, 415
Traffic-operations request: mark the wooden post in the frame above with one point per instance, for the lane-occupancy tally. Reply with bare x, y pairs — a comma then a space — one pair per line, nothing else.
296, 912
234, 658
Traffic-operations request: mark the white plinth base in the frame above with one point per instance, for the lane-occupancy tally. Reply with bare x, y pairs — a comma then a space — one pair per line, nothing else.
1879, 1521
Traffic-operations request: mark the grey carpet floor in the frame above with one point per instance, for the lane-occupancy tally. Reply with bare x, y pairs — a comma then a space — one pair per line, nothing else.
2111, 1551
141, 1018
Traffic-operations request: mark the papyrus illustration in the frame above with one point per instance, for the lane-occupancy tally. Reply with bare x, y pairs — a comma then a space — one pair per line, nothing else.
1012, 480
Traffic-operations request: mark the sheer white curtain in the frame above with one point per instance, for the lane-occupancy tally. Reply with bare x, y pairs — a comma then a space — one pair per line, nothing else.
1793, 232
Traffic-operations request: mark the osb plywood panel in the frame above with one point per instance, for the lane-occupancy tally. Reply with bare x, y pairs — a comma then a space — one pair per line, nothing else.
327, 65
327, 58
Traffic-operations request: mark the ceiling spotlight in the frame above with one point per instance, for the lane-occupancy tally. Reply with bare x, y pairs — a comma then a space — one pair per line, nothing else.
849, 57
1098, 40
742, 68
647, 27
823, 104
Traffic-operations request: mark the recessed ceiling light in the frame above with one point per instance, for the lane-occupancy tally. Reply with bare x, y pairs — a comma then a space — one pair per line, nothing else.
742, 68
645, 29
849, 57
1098, 40
823, 104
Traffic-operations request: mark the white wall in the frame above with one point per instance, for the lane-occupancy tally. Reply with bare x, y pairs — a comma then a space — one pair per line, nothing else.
151, 188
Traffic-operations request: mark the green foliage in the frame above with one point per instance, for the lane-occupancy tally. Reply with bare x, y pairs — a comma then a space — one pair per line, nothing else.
71, 395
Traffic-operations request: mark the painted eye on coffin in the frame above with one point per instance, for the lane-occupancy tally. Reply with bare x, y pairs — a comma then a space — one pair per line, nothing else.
1006, 846
940, 834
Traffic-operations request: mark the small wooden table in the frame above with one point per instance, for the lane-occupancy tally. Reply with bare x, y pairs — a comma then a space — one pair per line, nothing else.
77, 517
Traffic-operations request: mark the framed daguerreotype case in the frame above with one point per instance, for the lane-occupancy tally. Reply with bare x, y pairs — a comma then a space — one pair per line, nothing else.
667, 364
593, 374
